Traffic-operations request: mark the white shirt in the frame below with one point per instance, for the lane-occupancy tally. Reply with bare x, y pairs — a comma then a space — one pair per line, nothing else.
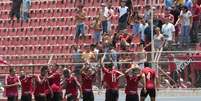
123, 10
186, 18
106, 12
142, 33
168, 30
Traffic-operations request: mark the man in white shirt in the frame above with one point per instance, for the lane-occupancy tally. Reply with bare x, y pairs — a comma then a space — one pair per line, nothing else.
104, 17
168, 31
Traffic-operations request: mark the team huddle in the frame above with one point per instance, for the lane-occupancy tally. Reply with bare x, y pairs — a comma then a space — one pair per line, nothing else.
52, 81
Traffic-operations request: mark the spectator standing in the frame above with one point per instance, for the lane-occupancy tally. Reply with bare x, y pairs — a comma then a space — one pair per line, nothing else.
104, 17
15, 9
186, 24
97, 27
123, 16
196, 12
168, 31
144, 26
158, 39
147, 13
26, 4
111, 14
80, 26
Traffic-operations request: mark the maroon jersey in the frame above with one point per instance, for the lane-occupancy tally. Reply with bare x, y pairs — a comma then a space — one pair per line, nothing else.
55, 82
26, 84
111, 78
71, 86
149, 82
41, 87
87, 81
12, 91
132, 84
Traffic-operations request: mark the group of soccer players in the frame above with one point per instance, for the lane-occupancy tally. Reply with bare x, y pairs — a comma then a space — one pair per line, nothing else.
51, 82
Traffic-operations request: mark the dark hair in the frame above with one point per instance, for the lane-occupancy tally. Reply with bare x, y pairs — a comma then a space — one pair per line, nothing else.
43, 68
147, 64
185, 8
11, 69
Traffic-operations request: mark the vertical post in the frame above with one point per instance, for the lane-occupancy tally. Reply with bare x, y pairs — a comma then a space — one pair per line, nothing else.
152, 33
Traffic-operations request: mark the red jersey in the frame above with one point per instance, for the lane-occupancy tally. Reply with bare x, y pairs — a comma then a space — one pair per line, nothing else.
55, 82
41, 87
26, 84
111, 78
196, 10
149, 82
87, 81
132, 84
12, 91
71, 86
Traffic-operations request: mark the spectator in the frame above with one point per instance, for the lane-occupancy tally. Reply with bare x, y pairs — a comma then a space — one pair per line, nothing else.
144, 26
96, 25
80, 26
179, 2
104, 14
157, 22
123, 16
158, 39
147, 13
25, 9
15, 10
188, 4
137, 27
168, 31
176, 12
111, 14
186, 24
168, 4
141, 57
196, 12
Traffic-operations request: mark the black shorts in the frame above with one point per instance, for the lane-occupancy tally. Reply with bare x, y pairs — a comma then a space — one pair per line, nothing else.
111, 95
56, 97
88, 96
27, 97
12, 98
132, 97
72, 98
150, 92
40, 98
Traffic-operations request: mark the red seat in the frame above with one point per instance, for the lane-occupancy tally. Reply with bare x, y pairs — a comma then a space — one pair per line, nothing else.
1, 23
34, 40
13, 32
35, 5
65, 12
57, 12
51, 22
48, 13
21, 32
17, 23
44, 4
48, 31
39, 31
25, 23
61, 21
52, 40
65, 31
34, 23
30, 31
43, 40
60, 4
70, 3
57, 31
39, 13
52, 4
8, 24
43, 22
26, 41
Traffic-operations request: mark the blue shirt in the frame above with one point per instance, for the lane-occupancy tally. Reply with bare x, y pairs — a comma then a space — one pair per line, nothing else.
168, 3
188, 4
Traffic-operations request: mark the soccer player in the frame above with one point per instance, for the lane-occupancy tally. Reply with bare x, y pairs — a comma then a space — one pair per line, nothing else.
42, 85
54, 80
132, 78
11, 85
110, 81
71, 86
26, 83
149, 78
88, 75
